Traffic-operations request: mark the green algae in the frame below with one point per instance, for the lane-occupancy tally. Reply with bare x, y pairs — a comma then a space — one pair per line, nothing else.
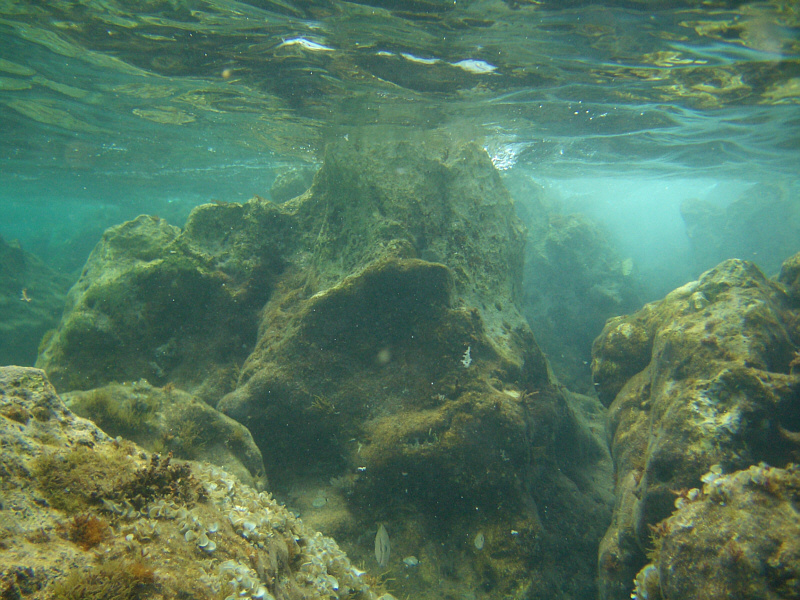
118, 579
72, 480
77, 479
123, 415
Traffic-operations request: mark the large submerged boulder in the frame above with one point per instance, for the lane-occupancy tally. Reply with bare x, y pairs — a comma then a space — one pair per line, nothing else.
368, 334
706, 378
152, 304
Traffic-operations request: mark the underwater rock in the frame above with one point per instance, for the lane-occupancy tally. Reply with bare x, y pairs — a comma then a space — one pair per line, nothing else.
395, 351
167, 306
367, 331
169, 420
31, 302
738, 538
291, 183
86, 516
703, 377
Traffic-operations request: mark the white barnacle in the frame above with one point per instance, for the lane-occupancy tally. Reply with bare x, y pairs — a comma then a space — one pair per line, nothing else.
129, 512
249, 526
111, 506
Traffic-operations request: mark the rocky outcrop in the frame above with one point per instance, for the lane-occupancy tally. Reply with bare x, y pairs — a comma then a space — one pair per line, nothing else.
85, 516
706, 377
170, 421
153, 304
368, 335
738, 537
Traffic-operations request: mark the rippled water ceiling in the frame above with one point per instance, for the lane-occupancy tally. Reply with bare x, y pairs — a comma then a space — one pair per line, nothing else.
143, 86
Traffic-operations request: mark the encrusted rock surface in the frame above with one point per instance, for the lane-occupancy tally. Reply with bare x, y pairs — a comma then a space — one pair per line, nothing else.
706, 376
737, 538
85, 516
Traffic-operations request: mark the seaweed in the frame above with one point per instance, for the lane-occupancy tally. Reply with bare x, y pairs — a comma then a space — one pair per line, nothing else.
115, 580
161, 479
73, 480
86, 530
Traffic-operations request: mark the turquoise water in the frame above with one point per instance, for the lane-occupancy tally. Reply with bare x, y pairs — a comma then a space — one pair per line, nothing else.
127, 102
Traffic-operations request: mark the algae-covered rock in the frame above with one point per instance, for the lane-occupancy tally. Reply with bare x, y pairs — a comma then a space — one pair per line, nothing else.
398, 363
368, 333
85, 516
152, 303
31, 301
703, 377
737, 538
169, 420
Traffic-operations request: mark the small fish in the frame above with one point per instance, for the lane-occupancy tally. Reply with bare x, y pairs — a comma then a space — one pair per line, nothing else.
382, 547
24, 295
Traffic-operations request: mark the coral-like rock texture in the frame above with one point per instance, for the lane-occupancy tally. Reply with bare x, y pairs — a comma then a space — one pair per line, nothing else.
707, 376
85, 516
367, 333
